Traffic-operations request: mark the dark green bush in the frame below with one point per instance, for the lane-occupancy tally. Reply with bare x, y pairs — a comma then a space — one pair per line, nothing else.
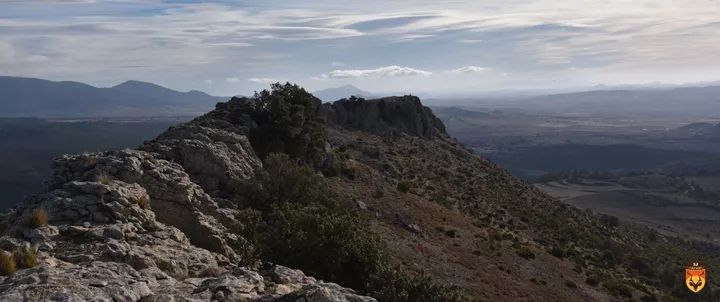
525, 252
592, 281
289, 121
284, 181
403, 186
323, 243
393, 285
618, 288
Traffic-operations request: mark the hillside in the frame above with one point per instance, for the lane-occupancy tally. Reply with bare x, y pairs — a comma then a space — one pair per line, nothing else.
371, 194
28, 97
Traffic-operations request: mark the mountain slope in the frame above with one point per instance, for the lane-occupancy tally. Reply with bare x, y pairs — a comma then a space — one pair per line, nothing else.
229, 185
463, 220
27, 97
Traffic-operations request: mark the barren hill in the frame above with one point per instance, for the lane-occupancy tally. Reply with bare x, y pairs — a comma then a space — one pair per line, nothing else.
370, 194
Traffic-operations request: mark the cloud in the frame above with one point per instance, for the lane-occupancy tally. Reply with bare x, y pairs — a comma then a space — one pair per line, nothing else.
7, 53
469, 69
336, 63
263, 80
386, 71
209, 82
95, 41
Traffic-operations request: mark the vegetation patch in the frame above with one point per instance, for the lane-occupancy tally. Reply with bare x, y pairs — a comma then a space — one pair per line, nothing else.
37, 218
299, 223
25, 256
7, 263
403, 186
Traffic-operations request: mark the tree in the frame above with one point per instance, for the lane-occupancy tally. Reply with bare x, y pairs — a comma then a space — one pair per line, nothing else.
289, 121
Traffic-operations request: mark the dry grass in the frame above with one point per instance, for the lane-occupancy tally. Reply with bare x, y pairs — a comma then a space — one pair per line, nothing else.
7, 263
105, 179
143, 202
38, 218
25, 256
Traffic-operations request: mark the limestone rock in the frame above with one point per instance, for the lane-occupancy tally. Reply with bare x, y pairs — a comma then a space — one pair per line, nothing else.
131, 226
385, 116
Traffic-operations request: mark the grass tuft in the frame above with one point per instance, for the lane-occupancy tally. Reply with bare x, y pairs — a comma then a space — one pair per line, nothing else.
26, 256
38, 218
7, 263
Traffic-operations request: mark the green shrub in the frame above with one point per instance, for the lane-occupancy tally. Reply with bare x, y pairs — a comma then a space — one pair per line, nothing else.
592, 281
289, 121
284, 181
7, 263
324, 243
452, 233
393, 285
403, 186
618, 288
525, 252
378, 193
37, 218
609, 220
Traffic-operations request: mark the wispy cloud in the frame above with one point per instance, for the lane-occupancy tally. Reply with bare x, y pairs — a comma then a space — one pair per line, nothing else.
263, 80
386, 71
469, 69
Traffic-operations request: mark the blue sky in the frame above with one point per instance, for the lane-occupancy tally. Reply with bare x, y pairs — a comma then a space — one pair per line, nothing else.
235, 47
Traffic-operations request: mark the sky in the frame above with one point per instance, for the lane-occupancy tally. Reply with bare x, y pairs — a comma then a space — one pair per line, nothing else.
236, 47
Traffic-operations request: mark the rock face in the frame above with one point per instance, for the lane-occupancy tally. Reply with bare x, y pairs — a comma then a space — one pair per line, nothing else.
385, 116
150, 225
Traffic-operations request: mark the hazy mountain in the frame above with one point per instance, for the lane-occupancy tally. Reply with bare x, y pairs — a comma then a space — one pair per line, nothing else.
192, 97
334, 94
28, 97
703, 101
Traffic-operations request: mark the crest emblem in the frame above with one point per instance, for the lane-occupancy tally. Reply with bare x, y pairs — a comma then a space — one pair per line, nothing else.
695, 277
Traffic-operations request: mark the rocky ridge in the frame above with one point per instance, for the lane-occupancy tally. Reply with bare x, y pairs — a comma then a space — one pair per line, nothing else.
159, 223
150, 225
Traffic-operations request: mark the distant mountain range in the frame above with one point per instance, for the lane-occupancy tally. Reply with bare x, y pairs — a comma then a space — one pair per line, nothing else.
334, 94
680, 101
28, 97
703, 101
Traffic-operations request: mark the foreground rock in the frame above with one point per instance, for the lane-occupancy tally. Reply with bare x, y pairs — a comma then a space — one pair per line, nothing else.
133, 226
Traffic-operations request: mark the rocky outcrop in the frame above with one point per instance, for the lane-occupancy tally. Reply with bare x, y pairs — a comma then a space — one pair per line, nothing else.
385, 116
139, 226
214, 157
157, 224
